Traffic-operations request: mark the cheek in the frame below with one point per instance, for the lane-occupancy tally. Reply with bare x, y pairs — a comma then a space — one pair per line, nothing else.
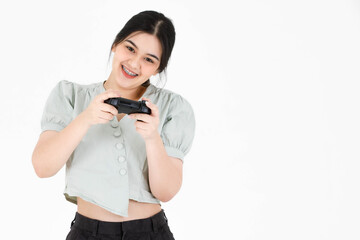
151, 68
120, 55
148, 69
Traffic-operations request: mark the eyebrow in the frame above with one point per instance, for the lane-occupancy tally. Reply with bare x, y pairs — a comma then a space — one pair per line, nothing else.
152, 55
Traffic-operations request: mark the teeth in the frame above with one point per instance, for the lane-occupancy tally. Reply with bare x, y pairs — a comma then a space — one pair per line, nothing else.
127, 71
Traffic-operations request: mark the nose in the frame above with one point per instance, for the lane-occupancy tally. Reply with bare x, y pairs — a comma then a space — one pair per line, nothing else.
134, 63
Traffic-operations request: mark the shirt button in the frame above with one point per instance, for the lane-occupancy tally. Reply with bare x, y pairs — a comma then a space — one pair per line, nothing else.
121, 159
123, 171
114, 124
117, 133
119, 145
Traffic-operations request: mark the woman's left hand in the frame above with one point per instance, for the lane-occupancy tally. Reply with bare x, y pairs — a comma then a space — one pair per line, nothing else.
148, 129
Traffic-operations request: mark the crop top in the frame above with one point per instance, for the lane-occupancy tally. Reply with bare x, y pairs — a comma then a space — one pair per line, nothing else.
109, 166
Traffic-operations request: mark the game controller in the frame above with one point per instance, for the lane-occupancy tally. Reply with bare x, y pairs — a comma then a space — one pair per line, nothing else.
124, 105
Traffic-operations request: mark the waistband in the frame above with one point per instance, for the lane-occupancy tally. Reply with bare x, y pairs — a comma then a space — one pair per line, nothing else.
149, 224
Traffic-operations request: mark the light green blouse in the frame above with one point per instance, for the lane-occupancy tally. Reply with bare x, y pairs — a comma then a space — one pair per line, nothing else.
109, 166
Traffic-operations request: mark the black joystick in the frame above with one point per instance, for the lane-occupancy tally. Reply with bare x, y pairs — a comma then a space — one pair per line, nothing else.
128, 106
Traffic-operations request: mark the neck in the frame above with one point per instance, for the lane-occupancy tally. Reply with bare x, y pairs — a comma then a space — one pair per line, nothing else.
129, 93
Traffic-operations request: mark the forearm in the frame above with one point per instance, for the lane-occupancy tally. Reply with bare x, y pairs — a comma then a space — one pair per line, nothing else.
52, 153
164, 178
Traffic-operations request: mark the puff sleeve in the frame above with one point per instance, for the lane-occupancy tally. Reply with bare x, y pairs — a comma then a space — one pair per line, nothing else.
179, 128
58, 108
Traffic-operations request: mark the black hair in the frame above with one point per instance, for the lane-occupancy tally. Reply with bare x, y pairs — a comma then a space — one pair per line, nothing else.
156, 24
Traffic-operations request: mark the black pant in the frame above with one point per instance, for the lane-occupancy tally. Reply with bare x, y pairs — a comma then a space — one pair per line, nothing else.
152, 228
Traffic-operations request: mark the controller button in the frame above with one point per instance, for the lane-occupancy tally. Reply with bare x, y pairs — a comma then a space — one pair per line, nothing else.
121, 159
123, 171
117, 133
119, 145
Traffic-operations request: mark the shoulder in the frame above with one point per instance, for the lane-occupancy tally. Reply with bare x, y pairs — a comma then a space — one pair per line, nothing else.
69, 88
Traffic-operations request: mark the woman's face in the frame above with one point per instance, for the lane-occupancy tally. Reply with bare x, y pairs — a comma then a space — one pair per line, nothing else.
136, 59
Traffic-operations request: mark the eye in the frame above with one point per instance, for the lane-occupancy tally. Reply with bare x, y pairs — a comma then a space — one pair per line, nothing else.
130, 49
149, 60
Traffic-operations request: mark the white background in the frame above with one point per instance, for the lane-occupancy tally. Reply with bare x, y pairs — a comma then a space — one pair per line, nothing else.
275, 89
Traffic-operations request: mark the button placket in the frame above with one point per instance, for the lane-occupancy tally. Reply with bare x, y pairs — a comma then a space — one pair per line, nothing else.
114, 123
117, 133
122, 171
120, 147
116, 126
121, 159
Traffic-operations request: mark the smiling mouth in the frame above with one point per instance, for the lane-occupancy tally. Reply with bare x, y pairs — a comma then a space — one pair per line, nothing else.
128, 72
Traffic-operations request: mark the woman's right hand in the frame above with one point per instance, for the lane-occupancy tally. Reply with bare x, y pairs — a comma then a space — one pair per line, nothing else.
100, 112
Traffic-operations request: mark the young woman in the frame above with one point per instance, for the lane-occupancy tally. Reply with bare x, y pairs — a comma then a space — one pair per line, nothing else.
120, 167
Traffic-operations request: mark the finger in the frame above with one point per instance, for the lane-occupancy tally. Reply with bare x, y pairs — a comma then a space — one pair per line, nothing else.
110, 93
141, 116
102, 121
141, 125
106, 116
109, 108
152, 106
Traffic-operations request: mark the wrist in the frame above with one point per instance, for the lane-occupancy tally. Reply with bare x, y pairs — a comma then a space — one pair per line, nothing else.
154, 139
83, 119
